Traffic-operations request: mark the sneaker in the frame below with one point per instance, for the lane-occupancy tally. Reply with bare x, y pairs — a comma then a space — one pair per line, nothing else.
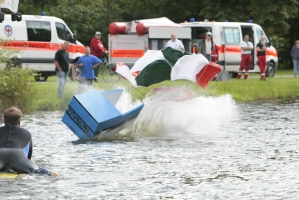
246, 76
95, 79
239, 76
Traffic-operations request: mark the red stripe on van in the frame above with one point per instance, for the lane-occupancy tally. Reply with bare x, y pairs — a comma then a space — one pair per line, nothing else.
42, 46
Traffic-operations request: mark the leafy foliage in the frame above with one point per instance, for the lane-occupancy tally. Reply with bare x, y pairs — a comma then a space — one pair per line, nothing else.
279, 19
16, 90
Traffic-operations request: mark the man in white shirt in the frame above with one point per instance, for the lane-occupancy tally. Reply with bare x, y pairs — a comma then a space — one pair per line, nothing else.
246, 48
175, 43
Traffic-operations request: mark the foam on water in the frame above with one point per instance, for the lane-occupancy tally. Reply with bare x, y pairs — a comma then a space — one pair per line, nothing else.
162, 116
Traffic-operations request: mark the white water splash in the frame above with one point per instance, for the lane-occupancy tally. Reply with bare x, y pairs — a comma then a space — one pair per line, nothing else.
201, 115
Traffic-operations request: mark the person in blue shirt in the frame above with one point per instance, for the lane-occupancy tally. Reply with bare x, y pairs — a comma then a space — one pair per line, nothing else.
88, 63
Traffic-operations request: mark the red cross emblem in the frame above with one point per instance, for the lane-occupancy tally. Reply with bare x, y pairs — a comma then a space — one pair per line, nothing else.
8, 30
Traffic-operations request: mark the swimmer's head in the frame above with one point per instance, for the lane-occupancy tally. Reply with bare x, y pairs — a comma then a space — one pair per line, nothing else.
12, 116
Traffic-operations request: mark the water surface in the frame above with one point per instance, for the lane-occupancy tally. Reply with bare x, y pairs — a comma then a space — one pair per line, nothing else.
203, 148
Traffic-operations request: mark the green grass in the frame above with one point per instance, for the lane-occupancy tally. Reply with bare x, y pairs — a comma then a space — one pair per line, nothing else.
241, 90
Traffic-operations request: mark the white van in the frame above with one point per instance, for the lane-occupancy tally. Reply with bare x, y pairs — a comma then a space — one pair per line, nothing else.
38, 38
227, 36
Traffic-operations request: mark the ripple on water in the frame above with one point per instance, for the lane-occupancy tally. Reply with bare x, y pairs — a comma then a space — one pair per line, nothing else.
187, 150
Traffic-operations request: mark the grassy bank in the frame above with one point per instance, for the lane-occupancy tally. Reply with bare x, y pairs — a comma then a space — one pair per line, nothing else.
282, 86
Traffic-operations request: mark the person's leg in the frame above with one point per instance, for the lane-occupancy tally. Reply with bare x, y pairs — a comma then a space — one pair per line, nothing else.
297, 70
62, 81
247, 65
3, 159
89, 84
264, 64
19, 163
81, 86
96, 70
295, 64
241, 66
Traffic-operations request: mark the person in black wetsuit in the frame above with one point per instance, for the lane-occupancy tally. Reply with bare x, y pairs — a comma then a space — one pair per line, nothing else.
16, 146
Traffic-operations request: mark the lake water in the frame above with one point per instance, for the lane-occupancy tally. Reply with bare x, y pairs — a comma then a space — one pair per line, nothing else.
203, 148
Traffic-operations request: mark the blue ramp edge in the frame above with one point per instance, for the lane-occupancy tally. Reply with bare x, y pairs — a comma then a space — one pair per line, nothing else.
92, 112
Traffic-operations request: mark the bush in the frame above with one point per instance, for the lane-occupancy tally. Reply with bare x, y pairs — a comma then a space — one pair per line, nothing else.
16, 89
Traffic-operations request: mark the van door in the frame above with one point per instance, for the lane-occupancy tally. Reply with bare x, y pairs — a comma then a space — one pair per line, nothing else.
248, 30
40, 51
231, 38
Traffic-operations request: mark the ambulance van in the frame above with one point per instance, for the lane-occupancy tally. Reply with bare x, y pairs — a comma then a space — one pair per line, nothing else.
227, 37
37, 38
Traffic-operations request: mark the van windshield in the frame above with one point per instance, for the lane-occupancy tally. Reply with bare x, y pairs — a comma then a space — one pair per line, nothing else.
63, 32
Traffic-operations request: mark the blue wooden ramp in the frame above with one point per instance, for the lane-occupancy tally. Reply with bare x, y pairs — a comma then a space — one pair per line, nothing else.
92, 113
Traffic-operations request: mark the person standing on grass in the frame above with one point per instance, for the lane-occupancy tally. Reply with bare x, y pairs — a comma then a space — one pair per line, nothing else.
97, 49
62, 62
246, 48
295, 57
88, 63
261, 56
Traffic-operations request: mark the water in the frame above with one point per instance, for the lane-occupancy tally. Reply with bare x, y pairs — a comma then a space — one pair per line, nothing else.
204, 148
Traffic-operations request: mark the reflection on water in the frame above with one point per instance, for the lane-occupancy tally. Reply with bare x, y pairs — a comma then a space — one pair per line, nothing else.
204, 148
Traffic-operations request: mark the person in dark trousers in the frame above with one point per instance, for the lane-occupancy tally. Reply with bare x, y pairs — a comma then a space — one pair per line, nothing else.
97, 49
261, 56
16, 146
87, 63
295, 57
62, 62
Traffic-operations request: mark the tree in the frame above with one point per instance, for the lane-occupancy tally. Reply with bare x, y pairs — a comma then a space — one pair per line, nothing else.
279, 19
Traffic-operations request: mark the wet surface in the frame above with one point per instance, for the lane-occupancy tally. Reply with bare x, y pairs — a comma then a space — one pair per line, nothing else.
204, 148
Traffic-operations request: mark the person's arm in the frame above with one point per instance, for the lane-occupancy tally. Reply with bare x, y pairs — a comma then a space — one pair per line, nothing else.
97, 62
42, 171
182, 47
96, 65
94, 45
105, 50
30, 150
57, 65
261, 49
244, 46
79, 63
56, 61
292, 52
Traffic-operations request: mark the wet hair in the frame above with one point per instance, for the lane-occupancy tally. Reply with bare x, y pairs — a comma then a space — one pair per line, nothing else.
12, 115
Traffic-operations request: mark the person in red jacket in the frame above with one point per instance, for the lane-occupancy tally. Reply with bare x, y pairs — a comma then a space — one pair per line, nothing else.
97, 49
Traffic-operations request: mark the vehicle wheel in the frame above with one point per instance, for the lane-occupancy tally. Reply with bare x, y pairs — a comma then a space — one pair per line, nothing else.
109, 75
270, 70
41, 78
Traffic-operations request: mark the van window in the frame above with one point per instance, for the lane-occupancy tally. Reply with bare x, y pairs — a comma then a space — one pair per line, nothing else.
200, 32
231, 36
38, 31
63, 32
259, 34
